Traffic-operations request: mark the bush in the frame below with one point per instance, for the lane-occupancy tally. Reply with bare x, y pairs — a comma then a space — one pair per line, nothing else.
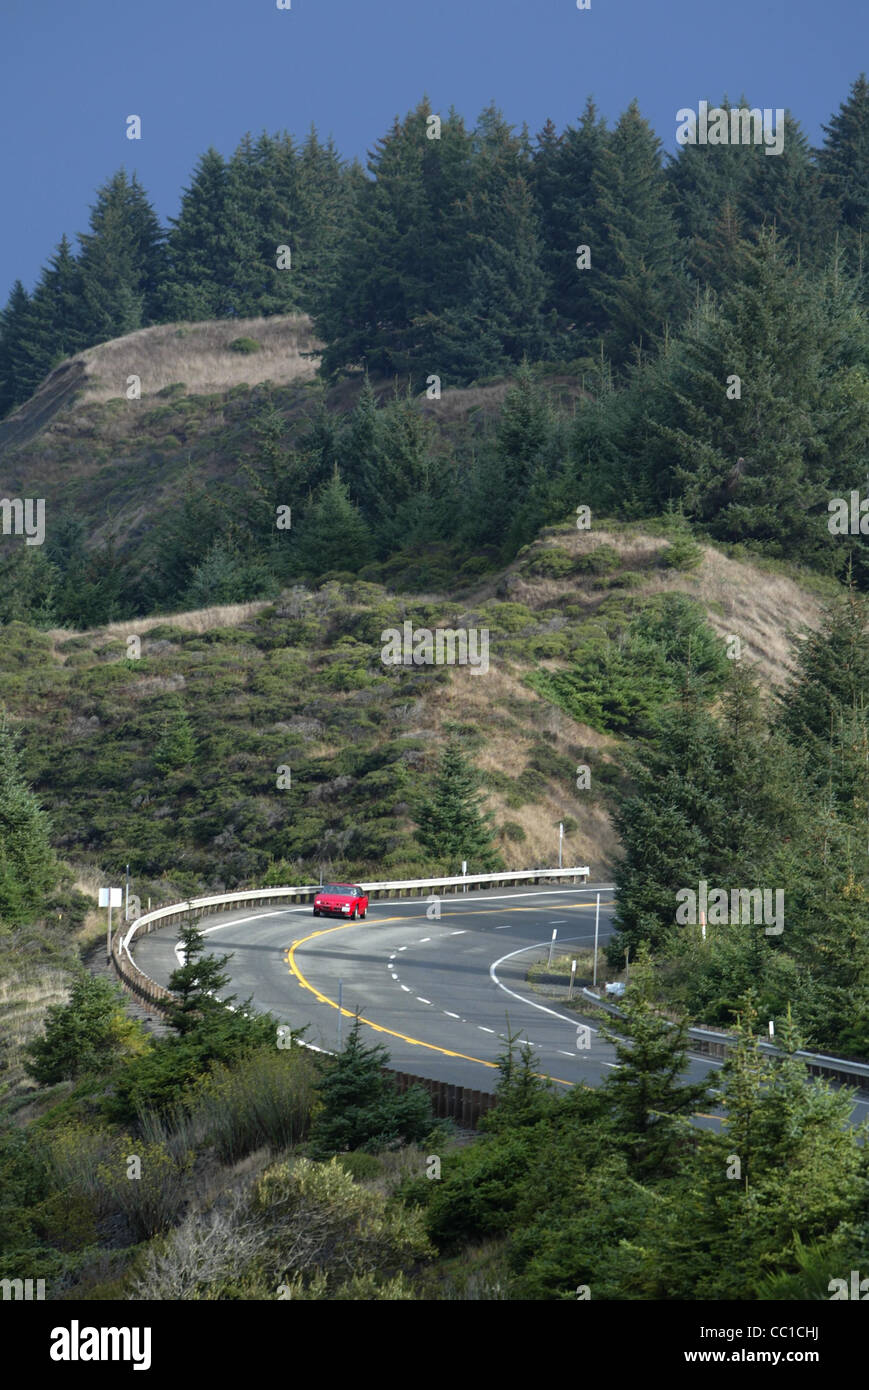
683, 553
88, 1034
245, 345
362, 1109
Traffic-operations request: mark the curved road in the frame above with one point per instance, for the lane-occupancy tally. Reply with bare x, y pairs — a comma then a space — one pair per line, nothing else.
439, 993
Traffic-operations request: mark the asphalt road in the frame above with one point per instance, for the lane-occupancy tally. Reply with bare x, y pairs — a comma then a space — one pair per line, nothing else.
439, 993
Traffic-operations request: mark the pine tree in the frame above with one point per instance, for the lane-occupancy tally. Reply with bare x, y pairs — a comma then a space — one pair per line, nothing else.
634, 244
176, 746
563, 180
830, 681
361, 1108
197, 982
57, 313
88, 1034
332, 534
753, 410
384, 312
844, 159
785, 191
648, 1094
28, 870
16, 349
201, 257
122, 263
450, 824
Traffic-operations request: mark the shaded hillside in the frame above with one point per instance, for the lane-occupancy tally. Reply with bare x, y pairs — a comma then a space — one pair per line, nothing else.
299, 683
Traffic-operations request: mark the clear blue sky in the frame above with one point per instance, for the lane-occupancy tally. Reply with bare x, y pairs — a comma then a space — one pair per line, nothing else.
202, 72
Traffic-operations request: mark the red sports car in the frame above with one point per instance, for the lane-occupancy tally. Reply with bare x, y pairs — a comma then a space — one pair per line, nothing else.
344, 899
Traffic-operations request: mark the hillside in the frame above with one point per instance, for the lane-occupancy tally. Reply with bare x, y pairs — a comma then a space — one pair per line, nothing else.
299, 682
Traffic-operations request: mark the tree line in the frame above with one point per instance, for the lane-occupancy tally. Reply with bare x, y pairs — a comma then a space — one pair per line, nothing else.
457, 254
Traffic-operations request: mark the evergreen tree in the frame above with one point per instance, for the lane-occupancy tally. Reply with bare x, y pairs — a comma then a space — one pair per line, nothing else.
647, 1093
332, 534
57, 313
385, 313
785, 191
16, 349
830, 681
122, 262
88, 1034
261, 215
844, 159
176, 746
197, 982
28, 870
751, 413
635, 252
361, 1107
201, 255
563, 173
450, 824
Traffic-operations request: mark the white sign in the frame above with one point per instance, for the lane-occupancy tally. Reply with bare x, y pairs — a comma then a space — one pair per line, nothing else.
110, 897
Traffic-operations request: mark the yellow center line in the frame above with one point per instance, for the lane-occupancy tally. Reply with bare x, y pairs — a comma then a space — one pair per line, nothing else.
378, 1027
290, 957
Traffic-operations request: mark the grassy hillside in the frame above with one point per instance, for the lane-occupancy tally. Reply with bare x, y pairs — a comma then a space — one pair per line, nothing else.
300, 683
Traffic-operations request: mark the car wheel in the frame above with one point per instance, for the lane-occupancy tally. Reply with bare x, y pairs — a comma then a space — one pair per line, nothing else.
353, 914
316, 912
364, 914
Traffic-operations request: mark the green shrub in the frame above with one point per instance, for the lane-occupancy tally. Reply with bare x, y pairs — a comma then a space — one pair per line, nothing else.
601, 560
360, 1165
245, 345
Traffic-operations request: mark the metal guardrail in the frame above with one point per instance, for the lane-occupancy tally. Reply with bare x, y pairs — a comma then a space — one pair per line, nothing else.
710, 1042
259, 897
165, 916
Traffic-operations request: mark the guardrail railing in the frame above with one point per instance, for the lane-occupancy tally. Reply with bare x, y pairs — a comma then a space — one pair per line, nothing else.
165, 916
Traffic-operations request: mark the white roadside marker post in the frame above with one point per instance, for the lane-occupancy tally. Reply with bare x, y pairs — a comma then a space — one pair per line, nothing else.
552, 943
572, 978
596, 926
109, 897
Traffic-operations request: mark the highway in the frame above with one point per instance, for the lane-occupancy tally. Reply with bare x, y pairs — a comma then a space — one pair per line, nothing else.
439, 993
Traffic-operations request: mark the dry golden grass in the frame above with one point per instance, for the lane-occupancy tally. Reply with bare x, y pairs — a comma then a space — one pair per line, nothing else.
198, 354
740, 598
195, 620
25, 997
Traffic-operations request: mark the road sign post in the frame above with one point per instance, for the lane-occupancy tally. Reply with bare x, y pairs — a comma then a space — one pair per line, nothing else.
552, 943
596, 925
110, 897
572, 978
560, 840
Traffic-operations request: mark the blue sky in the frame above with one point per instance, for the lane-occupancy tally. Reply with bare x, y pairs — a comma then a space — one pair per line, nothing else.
202, 72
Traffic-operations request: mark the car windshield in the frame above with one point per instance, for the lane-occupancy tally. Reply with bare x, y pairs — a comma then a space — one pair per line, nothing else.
342, 889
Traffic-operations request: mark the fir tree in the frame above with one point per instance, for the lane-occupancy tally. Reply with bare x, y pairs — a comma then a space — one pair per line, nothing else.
197, 982
844, 159
201, 261
450, 825
361, 1107
176, 746
635, 249
648, 1093
87, 1034
28, 870
16, 349
332, 534
122, 261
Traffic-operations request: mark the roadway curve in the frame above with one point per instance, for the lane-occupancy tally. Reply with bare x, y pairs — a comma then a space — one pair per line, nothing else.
438, 993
